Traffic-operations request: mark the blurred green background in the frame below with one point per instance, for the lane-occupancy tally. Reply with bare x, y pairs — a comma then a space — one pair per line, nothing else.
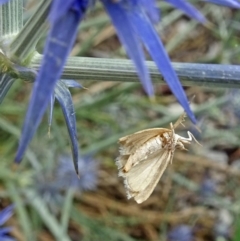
198, 194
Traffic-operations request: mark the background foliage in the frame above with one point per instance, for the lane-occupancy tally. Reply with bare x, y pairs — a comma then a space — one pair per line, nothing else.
198, 196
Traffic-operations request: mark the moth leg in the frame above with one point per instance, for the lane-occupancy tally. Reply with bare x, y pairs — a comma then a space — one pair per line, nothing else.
171, 158
181, 146
190, 138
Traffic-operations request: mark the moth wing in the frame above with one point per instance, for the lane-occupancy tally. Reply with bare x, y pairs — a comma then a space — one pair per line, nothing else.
144, 195
129, 144
142, 178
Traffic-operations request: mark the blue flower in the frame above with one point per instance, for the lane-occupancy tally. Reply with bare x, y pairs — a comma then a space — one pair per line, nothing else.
88, 173
64, 20
51, 183
5, 214
181, 233
208, 187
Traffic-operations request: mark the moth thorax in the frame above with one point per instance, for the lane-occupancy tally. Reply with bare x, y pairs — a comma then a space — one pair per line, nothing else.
167, 138
151, 146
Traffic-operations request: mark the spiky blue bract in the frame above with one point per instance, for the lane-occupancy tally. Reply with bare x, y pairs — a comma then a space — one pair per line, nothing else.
133, 24
226, 3
63, 30
151, 10
64, 98
5, 214
188, 9
153, 44
119, 14
3, 1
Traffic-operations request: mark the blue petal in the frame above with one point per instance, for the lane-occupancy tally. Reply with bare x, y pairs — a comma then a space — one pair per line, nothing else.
151, 9
5, 214
156, 49
4, 234
64, 98
227, 3
59, 43
72, 83
125, 31
58, 9
188, 9
3, 1
4, 231
61, 7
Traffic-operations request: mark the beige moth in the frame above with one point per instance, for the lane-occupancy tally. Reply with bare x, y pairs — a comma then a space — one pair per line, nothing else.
145, 155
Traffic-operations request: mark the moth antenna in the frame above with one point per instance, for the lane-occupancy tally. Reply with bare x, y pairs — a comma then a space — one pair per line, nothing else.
180, 120
172, 129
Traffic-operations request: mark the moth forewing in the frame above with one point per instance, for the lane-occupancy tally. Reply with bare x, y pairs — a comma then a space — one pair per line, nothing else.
129, 144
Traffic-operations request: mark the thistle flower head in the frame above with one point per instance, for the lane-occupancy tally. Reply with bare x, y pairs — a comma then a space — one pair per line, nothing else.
181, 233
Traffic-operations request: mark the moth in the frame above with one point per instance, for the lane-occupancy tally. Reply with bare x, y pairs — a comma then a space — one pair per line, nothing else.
145, 155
